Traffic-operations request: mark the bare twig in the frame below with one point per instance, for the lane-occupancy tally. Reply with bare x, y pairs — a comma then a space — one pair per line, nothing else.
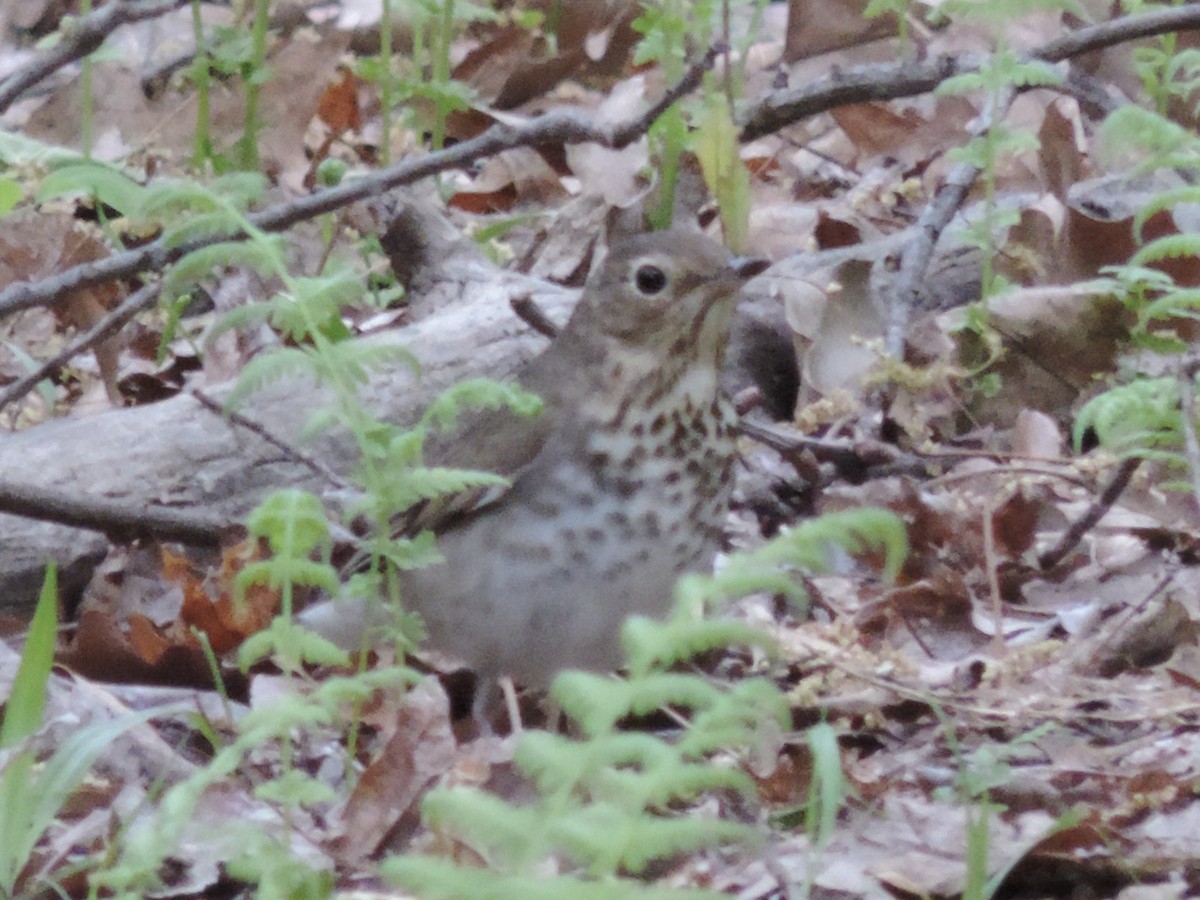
846, 456
842, 88
916, 253
80, 38
533, 316
113, 322
1120, 31
1085, 523
907, 79
118, 521
313, 464
991, 565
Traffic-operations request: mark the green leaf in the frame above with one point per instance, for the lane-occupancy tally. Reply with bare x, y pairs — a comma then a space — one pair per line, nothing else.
105, 183
11, 193
293, 522
717, 147
27, 700
31, 796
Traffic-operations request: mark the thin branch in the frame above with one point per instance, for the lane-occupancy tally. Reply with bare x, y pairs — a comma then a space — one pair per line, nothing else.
110, 324
991, 566
914, 256
1120, 31
910, 78
313, 464
80, 38
120, 522
626, 134
533, 316
861, 84
560, 127
1085, 523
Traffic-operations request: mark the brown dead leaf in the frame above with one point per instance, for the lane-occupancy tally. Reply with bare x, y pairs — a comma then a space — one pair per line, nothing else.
37, 243
818, 26
226, 620
338, 107
1063, 151
300, 68
102, 650
615, 175
516, 65
519, 176
1055, 339
420, 751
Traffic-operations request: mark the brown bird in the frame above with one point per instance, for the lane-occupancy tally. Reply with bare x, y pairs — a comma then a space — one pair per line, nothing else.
620, 485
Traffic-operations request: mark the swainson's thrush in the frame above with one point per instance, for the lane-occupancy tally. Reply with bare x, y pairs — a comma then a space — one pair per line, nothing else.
620, 485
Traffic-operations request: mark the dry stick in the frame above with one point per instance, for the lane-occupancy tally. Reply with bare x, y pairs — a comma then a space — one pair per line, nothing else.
313, 464
533, 316
1119, 31
566, 126
906, 79
120, 522
916, 253
79, 38
991, 564
1085, 523
139, 300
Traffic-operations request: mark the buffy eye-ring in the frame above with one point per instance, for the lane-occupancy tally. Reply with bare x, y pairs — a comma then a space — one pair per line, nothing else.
650, 280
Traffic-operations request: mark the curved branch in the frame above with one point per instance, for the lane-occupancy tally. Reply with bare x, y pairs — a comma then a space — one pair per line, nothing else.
908, 79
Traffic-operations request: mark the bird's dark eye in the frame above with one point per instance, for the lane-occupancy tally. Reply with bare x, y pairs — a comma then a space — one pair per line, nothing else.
650, 279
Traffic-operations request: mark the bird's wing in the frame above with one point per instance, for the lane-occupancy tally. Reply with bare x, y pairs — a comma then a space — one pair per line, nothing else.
501, 441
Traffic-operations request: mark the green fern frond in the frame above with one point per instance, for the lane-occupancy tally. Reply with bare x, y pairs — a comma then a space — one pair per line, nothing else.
352, 362
269, 368
1138, 419
478, 393
250, 315
1171, 246
239, 188
219, 223
166, 197
107, 184
413, 486
745, 715
1159, 202
650, 644
628, 769
202, 263
1132, 127
1182, 303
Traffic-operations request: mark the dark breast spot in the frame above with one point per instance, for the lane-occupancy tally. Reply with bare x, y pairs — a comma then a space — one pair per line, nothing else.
651, 524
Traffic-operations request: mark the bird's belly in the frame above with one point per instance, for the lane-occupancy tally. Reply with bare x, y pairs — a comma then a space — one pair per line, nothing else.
546, 582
